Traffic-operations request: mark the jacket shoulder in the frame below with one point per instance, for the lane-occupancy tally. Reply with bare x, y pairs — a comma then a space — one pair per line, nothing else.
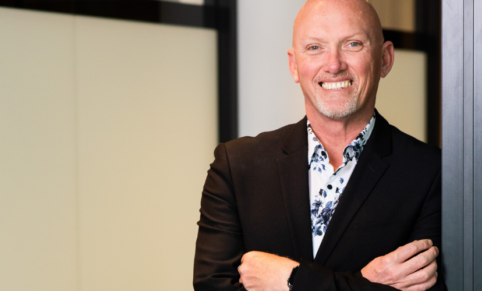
265, 143
413, 148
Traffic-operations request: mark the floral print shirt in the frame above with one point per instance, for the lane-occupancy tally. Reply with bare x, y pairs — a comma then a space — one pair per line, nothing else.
326, 184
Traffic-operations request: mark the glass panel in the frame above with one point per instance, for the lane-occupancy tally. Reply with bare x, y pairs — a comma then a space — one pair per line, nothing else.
396, 14
401, 97
108, 128
37, 152
147, 119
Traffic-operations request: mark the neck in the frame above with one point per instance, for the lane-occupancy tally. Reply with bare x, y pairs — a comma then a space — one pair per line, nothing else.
335, 135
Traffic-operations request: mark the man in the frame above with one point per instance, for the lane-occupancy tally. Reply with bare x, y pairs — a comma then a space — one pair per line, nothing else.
325, 204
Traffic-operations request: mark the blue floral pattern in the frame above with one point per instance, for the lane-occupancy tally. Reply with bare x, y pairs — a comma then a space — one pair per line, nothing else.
327, 185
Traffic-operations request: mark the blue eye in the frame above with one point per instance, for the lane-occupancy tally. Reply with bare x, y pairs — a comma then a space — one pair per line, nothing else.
314, 47
353, 44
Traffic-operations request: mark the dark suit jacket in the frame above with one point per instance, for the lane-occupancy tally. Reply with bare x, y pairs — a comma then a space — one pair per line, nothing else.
256, 198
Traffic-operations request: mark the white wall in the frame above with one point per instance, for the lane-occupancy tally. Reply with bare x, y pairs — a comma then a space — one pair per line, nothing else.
268, 96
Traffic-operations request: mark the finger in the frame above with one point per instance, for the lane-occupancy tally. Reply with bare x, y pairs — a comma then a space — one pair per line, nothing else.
420, 261
424, 286
409, 250
421, 276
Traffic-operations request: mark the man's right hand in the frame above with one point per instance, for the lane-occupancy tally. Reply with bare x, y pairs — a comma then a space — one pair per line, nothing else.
403, 270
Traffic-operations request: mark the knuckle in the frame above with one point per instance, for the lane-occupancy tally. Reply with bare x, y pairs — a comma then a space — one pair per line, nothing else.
412, 248
386, 260
424, 276
422, 261
393, 276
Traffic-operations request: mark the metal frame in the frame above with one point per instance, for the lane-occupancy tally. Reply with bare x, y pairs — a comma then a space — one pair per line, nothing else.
216, 14
462, 135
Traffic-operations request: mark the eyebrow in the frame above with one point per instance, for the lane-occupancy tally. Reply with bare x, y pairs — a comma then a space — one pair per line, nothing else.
357, 34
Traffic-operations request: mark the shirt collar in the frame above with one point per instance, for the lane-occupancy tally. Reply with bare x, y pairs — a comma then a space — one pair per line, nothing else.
353, 150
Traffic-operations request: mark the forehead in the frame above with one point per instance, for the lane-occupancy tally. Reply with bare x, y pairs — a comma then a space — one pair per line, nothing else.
333, 20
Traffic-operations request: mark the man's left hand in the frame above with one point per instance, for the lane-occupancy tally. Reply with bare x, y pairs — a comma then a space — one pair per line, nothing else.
265, 272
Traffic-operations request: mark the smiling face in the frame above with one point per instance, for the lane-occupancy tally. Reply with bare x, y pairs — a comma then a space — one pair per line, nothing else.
338, 57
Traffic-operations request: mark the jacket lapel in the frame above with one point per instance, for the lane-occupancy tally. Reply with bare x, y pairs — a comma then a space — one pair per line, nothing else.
293, 171
370, 168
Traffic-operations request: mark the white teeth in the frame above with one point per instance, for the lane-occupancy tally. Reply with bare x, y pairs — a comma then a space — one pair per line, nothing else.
336, 85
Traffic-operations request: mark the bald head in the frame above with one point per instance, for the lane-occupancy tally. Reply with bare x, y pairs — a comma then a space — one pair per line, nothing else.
338, 57
359, 11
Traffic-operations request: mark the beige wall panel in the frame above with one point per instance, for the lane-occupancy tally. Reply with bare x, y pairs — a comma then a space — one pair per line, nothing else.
396, 14
147, 130
37, 152
401, 95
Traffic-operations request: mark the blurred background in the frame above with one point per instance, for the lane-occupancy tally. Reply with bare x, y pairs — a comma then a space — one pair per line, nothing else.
110, 112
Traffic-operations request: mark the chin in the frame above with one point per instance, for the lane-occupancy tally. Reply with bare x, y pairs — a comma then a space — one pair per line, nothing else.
340, 111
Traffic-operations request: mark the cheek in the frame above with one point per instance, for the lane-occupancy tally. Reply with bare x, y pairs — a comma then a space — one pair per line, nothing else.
363, 68
308, 69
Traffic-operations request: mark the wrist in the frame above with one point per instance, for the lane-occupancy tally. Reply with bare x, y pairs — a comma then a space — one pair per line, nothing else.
291, 279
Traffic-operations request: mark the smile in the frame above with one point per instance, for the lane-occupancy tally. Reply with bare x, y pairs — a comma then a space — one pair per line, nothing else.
336, 85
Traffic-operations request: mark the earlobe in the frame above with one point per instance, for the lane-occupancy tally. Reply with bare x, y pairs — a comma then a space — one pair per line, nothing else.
388, 58
292, 65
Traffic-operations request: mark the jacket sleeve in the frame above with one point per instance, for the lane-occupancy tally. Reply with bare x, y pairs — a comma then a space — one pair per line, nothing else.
428, 226
219, 245
313, 277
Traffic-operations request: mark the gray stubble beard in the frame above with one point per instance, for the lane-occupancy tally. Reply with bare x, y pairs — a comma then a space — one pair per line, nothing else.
348, 109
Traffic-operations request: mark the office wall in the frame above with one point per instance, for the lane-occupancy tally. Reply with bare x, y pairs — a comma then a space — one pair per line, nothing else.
108, 129
268, 96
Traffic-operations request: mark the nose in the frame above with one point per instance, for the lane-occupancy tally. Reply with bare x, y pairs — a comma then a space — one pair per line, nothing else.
334, 62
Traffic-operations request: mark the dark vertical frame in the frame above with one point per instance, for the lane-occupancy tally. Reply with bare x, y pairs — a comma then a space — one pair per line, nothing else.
220, 15
428, 26
461, 139
226, 18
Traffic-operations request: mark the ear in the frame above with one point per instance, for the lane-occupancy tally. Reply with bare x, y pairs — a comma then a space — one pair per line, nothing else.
388, 57
292, 65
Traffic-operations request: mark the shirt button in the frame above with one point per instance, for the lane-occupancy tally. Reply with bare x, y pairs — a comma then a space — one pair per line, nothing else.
329, 187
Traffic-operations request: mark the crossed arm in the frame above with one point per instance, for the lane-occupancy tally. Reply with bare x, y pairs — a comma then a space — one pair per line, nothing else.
410, 267
222, 245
